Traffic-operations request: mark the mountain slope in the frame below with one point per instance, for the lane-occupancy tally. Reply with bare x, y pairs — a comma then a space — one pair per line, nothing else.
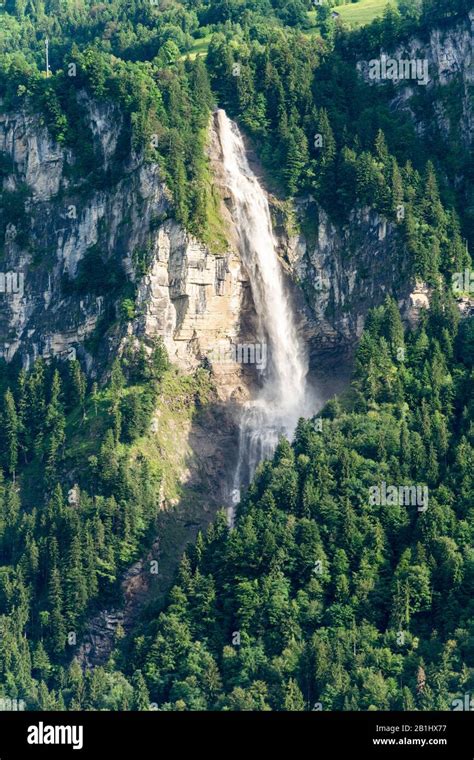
122, 279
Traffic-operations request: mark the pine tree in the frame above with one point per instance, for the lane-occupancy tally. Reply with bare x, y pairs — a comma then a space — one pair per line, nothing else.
397, 190
55, 426
10, 421
41, 662
431, 205
393, 327
22, 404
56, 625
117, 379
95, 397
405, 449
75, 585
294, 700
381, 151
296, 157
141, 696
78, 384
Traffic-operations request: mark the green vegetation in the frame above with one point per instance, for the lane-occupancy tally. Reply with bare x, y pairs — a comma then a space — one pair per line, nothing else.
79, 500
199, 47
149, 59
321, 596
363, 11
321, 131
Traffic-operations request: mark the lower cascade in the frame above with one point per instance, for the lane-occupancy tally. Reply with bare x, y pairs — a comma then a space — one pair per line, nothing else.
284, 395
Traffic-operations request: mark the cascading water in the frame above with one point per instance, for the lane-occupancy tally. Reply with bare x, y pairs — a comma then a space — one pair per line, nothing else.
283, 397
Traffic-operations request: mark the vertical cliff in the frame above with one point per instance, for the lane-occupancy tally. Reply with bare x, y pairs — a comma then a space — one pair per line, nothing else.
81, 250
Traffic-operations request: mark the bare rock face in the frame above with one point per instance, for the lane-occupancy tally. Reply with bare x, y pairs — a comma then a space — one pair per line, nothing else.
191, 297
345, 271
448, 56
100, 638
199, 301
60, 224
102, 630
419, 299
106, 123
342, 272
37, 158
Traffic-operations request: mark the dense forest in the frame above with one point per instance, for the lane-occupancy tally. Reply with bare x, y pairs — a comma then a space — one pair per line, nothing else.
318, 598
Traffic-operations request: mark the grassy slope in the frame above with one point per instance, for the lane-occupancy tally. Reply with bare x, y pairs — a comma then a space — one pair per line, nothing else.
353, 14
199, 47
363, 12
357, 14
170, 446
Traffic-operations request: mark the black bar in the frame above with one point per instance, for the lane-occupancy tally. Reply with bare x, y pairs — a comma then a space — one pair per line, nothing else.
128, 734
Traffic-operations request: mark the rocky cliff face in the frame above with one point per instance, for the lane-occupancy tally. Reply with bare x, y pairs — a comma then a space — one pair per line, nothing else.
57, 226
450, 65
446, 62
345, 271
199, 301
190, 296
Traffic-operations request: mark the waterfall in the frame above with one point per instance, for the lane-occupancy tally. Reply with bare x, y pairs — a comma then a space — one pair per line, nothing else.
283, 396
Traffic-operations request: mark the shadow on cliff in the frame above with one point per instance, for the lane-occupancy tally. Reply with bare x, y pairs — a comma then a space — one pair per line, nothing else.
210, 446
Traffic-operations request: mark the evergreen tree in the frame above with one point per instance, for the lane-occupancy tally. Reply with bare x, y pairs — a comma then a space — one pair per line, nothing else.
11, 425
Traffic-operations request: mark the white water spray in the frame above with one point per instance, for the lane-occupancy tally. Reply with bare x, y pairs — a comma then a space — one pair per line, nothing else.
283, 397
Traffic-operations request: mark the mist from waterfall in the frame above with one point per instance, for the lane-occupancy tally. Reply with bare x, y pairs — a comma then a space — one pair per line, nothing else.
284, 395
